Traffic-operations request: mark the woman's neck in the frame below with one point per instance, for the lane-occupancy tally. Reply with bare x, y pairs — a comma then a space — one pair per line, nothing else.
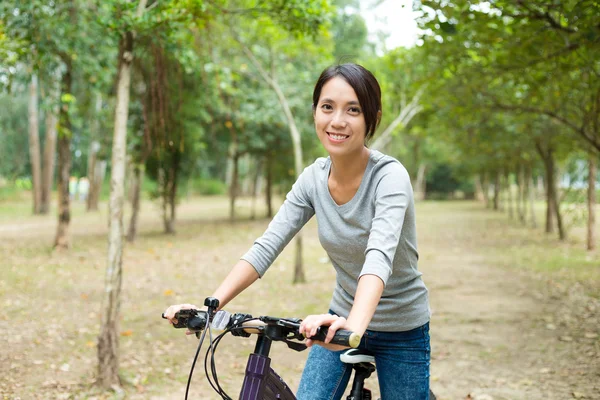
348, 168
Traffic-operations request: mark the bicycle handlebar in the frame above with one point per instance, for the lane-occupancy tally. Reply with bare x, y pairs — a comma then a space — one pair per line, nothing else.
195, 321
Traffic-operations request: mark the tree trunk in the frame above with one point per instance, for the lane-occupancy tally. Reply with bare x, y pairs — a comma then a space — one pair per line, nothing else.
64, 163
497, 190
138, 177
299, 272
233, 186
562, 233
479, 196
255, 186
108, 341
420, 184
96, 184
522, 192
269, 187
550, 195
530, 194
553, 206
486, 190
93, 162
548, 160
407, 113
92, 199
297, 145
509, 200
49, 154
591, 223
34, 144
173, 183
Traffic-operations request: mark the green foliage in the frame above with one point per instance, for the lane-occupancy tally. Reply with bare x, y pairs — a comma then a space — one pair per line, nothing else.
207, 187
441, 181
14, 150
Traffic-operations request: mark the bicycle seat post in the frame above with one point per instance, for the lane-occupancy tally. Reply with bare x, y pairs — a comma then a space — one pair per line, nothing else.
362, 371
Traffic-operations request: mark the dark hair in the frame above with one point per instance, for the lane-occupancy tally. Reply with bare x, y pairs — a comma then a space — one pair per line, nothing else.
365, 86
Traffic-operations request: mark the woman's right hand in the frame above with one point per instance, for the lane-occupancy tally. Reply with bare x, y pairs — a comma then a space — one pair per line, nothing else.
170, 312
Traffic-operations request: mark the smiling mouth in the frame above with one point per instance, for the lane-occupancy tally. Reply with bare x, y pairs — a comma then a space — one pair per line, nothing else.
337, 136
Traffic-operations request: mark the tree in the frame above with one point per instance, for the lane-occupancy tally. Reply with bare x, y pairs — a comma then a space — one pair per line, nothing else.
273, 39
34, 145
108, 356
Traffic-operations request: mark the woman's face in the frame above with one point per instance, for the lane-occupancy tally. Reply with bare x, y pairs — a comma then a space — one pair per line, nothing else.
339, 120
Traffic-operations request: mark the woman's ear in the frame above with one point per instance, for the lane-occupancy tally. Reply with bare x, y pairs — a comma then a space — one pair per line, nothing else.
378, 117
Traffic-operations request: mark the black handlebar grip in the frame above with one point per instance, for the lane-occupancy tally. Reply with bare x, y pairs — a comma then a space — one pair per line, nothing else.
341, 337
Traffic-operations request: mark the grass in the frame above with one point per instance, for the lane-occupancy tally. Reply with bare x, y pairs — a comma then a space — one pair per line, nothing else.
58, 296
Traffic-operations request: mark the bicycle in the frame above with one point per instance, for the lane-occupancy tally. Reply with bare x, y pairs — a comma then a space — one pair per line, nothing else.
261, 382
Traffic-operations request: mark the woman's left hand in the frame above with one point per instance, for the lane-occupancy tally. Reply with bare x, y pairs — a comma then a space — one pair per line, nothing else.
310, 324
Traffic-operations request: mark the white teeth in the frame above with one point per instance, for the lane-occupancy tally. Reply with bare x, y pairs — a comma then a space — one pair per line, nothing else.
338, 137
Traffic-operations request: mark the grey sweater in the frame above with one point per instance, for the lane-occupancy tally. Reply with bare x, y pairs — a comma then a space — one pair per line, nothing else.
374, 233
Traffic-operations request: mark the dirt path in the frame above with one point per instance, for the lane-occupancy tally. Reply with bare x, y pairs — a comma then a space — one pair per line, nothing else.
498, 332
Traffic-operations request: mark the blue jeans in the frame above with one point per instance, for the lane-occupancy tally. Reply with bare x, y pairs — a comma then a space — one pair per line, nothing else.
402, 360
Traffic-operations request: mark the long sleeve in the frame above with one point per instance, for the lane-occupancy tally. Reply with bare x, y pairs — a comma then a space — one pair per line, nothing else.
393, 194
296, 210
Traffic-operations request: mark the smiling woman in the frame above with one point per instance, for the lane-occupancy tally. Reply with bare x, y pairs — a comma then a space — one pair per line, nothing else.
364, 204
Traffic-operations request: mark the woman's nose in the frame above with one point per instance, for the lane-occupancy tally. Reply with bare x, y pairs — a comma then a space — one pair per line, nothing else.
338, 120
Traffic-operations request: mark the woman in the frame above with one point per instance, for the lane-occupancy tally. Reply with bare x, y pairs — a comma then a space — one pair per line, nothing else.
364, 205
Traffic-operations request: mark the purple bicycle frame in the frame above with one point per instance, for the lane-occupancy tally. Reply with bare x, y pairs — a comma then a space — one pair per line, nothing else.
262, 383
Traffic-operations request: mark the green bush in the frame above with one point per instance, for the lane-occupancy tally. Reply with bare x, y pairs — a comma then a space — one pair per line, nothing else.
207, 187
13, 191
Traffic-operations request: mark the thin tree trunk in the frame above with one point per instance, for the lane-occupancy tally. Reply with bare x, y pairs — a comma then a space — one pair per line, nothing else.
407, 113
138, 177
562, 233
479, 196
297, 145
49, 154
299, 272
233, 186
269, 187
548, 160
591, 223
96, 184
255, 184
530, 195
497, 190
108, 341
486, 190
420, 184
173, 178
64, 164
553, 206
91, 201
522, 191
509, 200
34, 144
93, 162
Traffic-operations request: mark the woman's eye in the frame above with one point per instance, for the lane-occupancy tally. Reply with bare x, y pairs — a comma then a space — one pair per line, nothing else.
326, 107
354, 110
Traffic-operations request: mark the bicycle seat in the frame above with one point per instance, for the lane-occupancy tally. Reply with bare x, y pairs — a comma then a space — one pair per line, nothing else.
355, 356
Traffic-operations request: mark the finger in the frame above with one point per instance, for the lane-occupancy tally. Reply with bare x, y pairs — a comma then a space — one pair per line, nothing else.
170, 313
323, 320
337, 324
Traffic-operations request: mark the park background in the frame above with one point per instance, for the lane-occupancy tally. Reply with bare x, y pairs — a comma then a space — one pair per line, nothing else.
190, 119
